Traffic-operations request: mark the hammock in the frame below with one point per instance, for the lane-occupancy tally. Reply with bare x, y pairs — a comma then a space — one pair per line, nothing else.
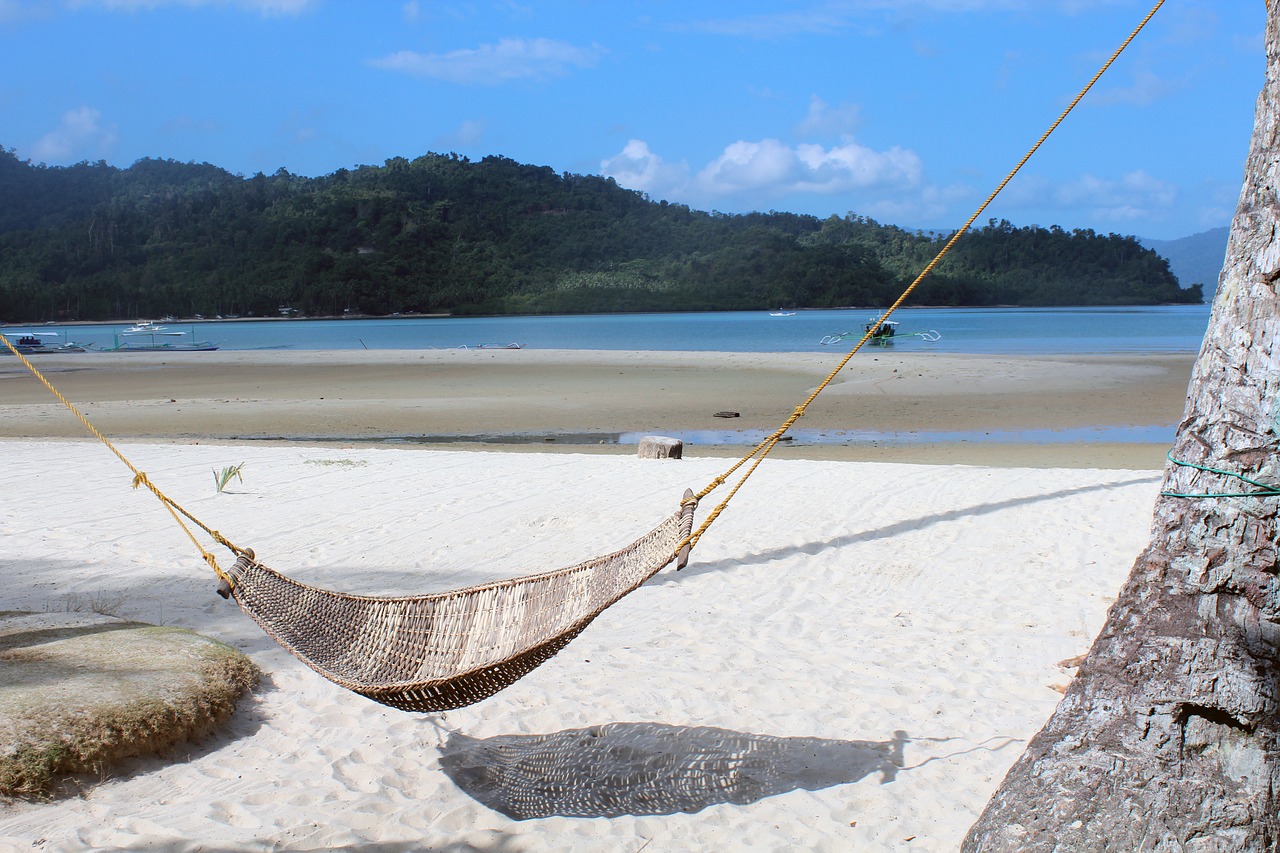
444, 651
436, 652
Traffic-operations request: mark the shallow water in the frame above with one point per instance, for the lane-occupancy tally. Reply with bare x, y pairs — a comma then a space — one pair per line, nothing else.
1012, 331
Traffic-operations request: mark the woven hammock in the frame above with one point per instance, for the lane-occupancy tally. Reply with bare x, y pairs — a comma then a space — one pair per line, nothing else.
444, 651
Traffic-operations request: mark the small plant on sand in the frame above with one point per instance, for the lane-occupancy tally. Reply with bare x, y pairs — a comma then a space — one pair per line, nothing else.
221, 478
103, 603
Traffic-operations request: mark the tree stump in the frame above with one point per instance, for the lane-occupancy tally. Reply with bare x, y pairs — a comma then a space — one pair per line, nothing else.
660, 447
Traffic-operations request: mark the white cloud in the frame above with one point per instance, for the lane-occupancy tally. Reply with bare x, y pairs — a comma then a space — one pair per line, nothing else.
79, 136
638, 168
774, 168
491, 64
758, 174
826, 122
752, 166
1134, 197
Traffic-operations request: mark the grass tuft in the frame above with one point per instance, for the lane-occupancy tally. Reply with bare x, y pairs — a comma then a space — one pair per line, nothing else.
102, 603
221, 478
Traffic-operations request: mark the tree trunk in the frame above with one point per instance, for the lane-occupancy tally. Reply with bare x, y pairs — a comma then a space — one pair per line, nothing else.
1168, 739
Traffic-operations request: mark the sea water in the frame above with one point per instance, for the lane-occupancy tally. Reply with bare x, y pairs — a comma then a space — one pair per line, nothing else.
1011, 331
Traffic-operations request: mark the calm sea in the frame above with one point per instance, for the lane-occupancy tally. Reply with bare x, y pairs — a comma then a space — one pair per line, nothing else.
1014, 331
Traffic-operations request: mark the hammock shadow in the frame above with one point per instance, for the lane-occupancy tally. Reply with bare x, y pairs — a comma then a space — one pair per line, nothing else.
889, 531
499, 843
644, 769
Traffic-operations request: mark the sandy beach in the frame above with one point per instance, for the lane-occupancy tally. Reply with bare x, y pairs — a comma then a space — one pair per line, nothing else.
582, 400
856, 654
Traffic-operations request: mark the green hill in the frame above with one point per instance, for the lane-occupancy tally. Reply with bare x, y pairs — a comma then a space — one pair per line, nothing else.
442, 233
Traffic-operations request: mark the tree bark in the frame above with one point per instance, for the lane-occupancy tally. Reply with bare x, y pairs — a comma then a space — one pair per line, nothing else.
1168, 739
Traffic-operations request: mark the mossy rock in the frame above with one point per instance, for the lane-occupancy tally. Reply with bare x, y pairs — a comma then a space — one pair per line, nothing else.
81, 691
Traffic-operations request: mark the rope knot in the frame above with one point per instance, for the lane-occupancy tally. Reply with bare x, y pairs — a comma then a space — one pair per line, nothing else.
140, 479
217, 570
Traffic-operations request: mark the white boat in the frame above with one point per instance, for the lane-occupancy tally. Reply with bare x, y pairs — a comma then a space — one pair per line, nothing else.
781, 313
140, 338
143, 326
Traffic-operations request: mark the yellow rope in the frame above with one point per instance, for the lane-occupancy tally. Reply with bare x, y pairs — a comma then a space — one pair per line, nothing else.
760, 451
763, 449
139, 477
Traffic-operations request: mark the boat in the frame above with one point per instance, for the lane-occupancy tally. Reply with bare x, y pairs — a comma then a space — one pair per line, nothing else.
143, 326
498, 346
781, 313
34, 343
881, 331
148, 337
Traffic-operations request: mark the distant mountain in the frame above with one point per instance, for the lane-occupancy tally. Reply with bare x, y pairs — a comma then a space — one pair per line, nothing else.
1196, 259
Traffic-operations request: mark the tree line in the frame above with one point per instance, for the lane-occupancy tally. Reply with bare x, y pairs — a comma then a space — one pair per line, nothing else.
442, 233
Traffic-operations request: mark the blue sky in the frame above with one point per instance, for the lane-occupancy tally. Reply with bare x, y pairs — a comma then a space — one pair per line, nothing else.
908, 111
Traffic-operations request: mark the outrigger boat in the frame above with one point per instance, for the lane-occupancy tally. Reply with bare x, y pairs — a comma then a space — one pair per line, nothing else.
33, 343
881, 333
148, 337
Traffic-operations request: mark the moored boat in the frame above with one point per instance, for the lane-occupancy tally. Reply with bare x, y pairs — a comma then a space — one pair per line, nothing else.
148, 337
881, 332
35, 343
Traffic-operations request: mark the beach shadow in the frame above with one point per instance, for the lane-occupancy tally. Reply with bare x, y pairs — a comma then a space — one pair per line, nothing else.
40, 636
500, 843
643, 769
891, 530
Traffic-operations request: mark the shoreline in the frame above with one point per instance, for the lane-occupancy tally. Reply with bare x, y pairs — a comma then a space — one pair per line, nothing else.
891, 404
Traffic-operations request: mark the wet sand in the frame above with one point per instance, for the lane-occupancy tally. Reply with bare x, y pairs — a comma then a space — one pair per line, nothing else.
582, 400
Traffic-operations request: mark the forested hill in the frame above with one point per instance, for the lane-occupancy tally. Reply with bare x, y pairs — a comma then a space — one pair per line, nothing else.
443, 233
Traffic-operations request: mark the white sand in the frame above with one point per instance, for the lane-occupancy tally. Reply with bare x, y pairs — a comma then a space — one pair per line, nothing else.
854, 658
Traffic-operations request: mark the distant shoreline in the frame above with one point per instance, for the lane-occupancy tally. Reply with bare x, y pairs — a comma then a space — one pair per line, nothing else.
877, 311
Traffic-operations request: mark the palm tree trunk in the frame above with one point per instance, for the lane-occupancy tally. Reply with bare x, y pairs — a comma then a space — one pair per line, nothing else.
1169, 736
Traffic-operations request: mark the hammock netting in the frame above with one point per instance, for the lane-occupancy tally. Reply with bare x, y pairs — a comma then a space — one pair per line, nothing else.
447, 650
444, 651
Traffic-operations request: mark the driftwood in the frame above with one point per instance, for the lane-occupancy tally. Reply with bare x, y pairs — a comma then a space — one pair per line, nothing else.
1169, 737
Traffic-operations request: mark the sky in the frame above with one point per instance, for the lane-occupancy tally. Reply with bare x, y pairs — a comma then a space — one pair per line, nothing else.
906, 111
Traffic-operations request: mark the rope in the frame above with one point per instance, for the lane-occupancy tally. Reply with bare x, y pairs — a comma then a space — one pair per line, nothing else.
1264, 490
139, 477
766, 446
758, 454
